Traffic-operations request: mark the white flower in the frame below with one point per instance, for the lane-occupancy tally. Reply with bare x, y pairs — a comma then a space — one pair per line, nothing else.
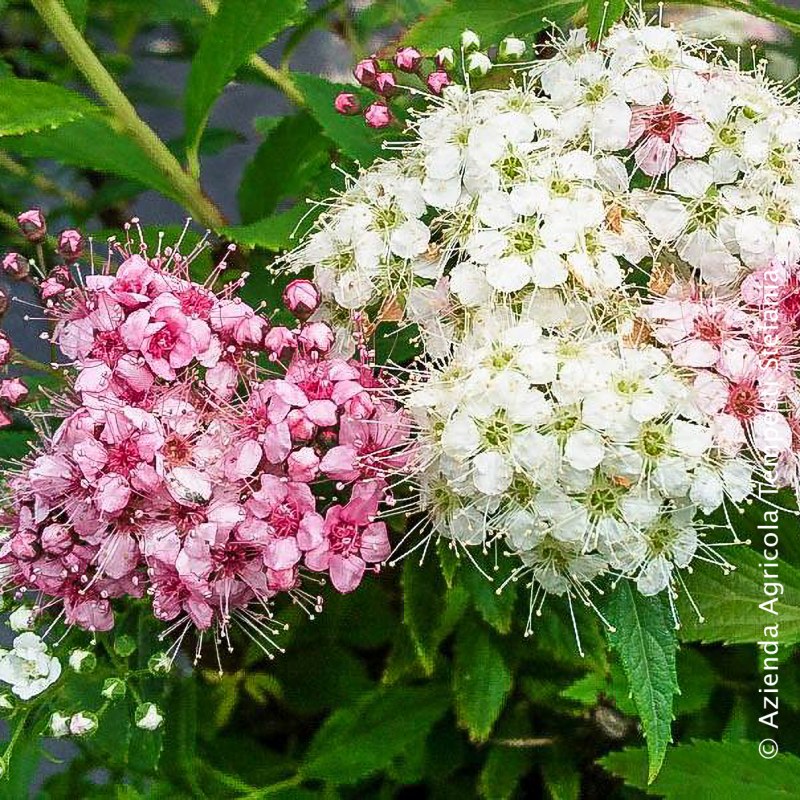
27, 667
59, 725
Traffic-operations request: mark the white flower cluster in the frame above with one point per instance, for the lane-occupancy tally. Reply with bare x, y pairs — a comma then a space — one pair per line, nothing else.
580, 452
593, 163
517, 230
28, 667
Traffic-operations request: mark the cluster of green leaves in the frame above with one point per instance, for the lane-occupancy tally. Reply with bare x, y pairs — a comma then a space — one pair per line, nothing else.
422, 678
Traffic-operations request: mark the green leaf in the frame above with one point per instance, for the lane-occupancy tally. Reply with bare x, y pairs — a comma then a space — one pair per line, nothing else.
14, 443
491, 19
77, 10
601, 15
423, 606
235, 32
730, 603
350, 134
283, 166
277, 232
706, 770
496, 609
28, 105
561, 777
696, 679
646, 642
481, 679
93, 143
356, 741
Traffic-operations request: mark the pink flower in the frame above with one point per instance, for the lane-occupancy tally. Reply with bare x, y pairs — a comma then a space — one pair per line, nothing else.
663, 134
368, 447
316, 336
352, 539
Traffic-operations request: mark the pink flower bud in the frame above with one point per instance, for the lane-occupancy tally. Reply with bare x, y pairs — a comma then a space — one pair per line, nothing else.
13, 390
316, 336
386, 84
5, 349
347, 103
366, 71
279, 341
408, 59
378, 115
301, 297
437, 81
32, 225
70, 244
16, 266
3, 301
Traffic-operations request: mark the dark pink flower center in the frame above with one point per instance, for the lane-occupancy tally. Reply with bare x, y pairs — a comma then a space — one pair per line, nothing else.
162, 343
344, 538
662, 121
123, 457
109, 347
743, 401
285, 520
195, 303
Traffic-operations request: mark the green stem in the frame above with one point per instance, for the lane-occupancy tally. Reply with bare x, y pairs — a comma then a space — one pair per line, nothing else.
281, 79
274, 788
80, 53
30, 363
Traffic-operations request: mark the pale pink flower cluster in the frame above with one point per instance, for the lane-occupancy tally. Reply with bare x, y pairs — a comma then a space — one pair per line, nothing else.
741, 348
207, 458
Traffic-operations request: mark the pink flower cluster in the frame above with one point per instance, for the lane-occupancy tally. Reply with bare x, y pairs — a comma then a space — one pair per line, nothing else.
742, 350
207, 457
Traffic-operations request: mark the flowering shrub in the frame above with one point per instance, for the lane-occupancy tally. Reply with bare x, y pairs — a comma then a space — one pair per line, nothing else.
532, 371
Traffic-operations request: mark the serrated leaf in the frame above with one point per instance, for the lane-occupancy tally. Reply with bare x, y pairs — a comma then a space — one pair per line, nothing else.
730, 603
357, 741
491, 19
601, 15
423, 607
496, 609
349, 134
646, 642
707, 770
93, 143
277, 232
28, 105
561, 777
481, 679
282, 167
237, 30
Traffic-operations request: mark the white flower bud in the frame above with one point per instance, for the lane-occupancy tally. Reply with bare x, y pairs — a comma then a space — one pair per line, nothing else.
82, 660
21, 619
59, 724
470, 40
82, 723
478, 64
148, 717
511, 49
